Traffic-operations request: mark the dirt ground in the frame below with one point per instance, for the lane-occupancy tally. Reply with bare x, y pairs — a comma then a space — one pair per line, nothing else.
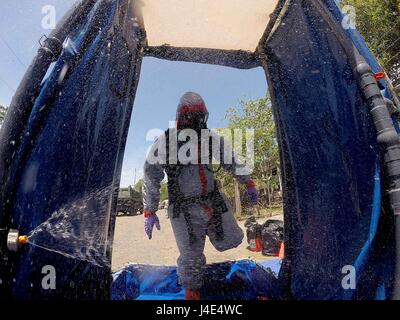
132, 245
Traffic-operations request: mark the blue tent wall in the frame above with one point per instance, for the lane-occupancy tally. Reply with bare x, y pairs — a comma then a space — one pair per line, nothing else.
334, 212
377, 255
71, 152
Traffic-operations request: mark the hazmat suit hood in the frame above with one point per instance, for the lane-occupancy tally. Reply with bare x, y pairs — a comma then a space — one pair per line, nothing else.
192, 112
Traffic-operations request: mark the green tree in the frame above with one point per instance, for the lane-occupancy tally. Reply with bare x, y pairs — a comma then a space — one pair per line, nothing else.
378, 21
138, 186
3, 111
257, 115
164, 191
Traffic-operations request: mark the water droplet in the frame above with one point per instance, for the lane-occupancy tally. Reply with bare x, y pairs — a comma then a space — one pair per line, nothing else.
63, 72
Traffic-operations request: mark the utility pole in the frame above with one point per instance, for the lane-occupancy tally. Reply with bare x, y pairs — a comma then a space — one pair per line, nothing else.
238, 205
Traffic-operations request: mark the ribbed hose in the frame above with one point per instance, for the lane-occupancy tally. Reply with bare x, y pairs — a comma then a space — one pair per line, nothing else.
389, 141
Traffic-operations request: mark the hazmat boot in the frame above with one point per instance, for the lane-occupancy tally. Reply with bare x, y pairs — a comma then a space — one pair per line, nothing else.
192, 294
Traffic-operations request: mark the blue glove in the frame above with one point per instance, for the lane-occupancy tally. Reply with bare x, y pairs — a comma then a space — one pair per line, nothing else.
252, 192
150, 219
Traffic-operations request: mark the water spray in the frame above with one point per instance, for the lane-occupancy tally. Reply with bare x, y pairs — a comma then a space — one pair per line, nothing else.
58, 234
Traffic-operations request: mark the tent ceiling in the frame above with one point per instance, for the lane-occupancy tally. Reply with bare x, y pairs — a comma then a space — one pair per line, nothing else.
215, 24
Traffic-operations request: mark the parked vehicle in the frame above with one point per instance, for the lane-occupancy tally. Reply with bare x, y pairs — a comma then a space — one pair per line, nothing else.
129, 202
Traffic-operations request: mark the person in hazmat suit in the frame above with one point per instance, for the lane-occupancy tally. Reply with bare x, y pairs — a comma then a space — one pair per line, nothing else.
196, 207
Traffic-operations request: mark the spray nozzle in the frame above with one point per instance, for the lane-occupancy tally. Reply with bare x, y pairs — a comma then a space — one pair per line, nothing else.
23, 240
15, 241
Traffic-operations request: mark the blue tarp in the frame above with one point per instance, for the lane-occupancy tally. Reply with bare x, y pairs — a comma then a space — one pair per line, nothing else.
233, 280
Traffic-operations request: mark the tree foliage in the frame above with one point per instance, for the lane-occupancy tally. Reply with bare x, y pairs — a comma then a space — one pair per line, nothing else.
138, 185
257, 115
163, 189
3, 111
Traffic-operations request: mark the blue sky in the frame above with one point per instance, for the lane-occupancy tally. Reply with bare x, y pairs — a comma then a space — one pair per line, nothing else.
20, 30
161, 84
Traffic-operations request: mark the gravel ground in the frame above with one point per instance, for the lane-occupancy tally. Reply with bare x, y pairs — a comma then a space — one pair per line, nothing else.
132, 245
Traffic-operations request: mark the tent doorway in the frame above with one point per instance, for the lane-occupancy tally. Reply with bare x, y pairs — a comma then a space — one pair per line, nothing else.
161, 84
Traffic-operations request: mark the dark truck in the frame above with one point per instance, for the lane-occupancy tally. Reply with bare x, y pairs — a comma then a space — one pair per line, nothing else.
129, 202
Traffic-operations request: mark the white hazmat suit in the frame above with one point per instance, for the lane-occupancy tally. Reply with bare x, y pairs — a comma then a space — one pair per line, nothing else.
196, 208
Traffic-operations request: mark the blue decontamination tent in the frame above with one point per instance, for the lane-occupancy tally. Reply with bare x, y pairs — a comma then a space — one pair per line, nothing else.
63, 140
